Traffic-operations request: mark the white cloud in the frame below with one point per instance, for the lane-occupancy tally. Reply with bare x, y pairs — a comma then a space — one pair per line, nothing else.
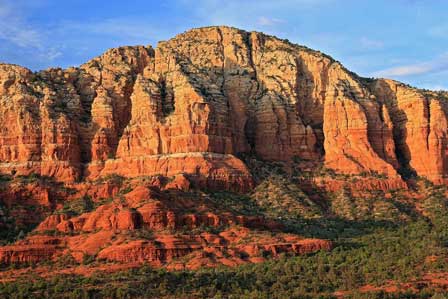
15, 30
51, 54
250, 14
435, 87
406, 70
265, 21
371, 44
436, 65
123, 28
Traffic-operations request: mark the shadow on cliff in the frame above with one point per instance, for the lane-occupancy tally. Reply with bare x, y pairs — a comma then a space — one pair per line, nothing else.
337, 229
216, 83
324, 227
297, 102
25, 201
305, 86
402, 152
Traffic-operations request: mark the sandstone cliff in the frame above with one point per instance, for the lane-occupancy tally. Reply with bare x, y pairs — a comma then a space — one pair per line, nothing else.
197, 101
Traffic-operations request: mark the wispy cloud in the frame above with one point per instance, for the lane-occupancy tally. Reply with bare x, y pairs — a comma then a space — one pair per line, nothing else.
436, 87
250, 14
131, 29
436, 65
15, 30
371, 44
266, 21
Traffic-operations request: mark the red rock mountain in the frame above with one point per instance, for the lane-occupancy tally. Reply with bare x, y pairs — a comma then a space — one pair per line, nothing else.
193, 103
188, 110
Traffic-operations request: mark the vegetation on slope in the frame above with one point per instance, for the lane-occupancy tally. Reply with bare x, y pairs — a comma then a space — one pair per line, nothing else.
379, 241
386, 253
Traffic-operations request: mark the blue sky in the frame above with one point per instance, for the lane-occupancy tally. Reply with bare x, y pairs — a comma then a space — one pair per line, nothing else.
405, 40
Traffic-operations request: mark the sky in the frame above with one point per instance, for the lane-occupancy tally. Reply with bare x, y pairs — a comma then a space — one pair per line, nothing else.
406, 40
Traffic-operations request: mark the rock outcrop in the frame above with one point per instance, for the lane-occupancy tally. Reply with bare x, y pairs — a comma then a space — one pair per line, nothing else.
419, 123
193, 103
162, 228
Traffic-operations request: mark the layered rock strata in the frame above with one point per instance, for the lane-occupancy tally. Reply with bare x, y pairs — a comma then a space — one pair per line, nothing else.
197, 101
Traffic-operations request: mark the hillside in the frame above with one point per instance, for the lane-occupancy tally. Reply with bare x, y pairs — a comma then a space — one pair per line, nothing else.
221, 148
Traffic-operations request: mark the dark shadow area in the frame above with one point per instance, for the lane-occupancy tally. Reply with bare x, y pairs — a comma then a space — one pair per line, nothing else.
20, 211
399, 120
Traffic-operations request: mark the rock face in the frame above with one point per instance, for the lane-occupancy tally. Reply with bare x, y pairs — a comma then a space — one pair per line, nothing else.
163, 228
194, 102
419, 124
358, 135
32, 250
